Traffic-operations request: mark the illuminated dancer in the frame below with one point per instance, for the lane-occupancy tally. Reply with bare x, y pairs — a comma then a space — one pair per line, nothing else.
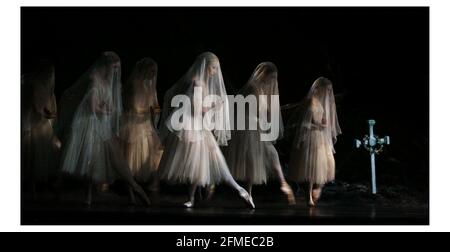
312, 160
193, 155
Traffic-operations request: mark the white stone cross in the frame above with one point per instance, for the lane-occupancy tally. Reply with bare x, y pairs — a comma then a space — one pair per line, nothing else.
374, 145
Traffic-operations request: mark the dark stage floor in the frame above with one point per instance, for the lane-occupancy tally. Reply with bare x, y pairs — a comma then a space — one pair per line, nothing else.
341, 204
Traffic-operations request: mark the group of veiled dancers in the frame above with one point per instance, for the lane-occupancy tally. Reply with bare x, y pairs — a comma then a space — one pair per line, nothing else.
104, 131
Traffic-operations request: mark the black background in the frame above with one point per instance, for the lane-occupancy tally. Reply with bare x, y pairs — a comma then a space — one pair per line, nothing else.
377, 58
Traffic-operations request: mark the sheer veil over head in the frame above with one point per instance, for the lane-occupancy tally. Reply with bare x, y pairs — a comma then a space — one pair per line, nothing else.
264, 81
103, 76
38, 90
39, 146
321, 92
144, 76
205, 72
93, 106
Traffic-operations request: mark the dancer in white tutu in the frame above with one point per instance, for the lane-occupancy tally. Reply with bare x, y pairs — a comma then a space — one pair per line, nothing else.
90, 110
250, 158
192, 155
312, 160
141, 145
40, 145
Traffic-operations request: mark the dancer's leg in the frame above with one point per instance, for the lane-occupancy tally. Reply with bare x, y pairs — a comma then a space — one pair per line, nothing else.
309, 196
242, 192
272, 153
316, 192
123, 170
210, 189
191, 201
249, 187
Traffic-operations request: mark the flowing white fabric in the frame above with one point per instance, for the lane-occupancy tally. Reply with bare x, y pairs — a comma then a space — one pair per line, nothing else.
97, 99
251, 159
193, 155
40, 146
141, 145
205, 74
312, 152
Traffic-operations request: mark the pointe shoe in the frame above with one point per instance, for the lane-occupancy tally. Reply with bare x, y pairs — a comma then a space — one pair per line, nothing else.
286, 189
248, 198
189, 204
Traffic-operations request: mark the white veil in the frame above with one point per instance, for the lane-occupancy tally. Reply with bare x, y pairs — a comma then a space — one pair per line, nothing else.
90, 113
249, 157
142, 81
104, 74
144, 75
322, 90
212, 84
264, 81
38, 93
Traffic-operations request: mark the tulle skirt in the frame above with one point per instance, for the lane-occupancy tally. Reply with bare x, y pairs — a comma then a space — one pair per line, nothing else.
88, 153
39, 151
250, 159
193, 156
141, 145
313, 160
